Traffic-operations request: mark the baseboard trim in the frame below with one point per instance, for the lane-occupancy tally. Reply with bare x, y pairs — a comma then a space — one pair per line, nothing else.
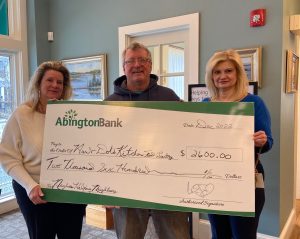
264, 236
204, 232
8, 205
288, 227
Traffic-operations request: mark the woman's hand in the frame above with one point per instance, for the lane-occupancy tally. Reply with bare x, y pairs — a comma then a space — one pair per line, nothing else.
260, 138
36, 194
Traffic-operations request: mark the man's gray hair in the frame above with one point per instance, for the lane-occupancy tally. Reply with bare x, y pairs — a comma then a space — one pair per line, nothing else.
136, 46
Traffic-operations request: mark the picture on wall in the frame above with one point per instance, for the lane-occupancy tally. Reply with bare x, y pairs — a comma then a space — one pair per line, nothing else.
197, 92
292, 68
88, 77
251, 58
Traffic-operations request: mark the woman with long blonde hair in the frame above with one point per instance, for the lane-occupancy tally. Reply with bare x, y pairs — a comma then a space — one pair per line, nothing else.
227, 81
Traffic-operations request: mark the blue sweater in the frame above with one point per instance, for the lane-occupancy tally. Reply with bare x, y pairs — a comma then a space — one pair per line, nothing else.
262, 119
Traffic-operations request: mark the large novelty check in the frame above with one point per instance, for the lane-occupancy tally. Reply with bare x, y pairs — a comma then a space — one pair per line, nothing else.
164, 155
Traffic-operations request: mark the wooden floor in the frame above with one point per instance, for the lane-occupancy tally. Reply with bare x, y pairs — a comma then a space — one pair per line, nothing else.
296, 230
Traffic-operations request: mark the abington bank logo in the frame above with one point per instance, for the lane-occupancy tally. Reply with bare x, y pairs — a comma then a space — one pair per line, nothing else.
70, 119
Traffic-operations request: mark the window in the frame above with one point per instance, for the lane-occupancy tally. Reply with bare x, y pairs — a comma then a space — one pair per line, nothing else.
6, 108
3, 17
6, 99
13, 76
168, 64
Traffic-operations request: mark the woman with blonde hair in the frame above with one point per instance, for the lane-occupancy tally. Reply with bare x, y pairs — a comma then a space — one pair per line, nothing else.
21, 154
227, 81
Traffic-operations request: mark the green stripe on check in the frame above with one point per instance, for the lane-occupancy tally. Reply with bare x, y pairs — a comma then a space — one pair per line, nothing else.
54, 195
223, 108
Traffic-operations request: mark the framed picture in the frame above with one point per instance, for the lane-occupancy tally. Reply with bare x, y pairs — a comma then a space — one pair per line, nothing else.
251, 58
197, 92
88, 77
253, 88
292, 68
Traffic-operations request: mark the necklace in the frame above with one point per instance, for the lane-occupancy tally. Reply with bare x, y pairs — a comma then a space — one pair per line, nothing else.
41, 108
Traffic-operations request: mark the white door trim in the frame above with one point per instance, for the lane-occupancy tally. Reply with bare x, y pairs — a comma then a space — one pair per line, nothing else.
189, 22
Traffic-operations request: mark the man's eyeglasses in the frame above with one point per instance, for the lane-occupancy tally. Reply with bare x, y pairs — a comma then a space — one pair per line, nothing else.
140, 60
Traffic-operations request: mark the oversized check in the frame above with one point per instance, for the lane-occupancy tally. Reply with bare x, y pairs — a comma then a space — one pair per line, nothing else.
180, 156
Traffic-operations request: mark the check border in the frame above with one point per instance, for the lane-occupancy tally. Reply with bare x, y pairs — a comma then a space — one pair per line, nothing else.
234, 108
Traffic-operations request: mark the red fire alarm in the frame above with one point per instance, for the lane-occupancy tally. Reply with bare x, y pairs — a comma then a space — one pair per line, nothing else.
258, 18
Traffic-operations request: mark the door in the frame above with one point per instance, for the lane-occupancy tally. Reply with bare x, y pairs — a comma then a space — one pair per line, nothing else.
172, 41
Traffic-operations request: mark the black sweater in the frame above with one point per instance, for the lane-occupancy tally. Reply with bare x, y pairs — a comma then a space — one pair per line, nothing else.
154, 92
